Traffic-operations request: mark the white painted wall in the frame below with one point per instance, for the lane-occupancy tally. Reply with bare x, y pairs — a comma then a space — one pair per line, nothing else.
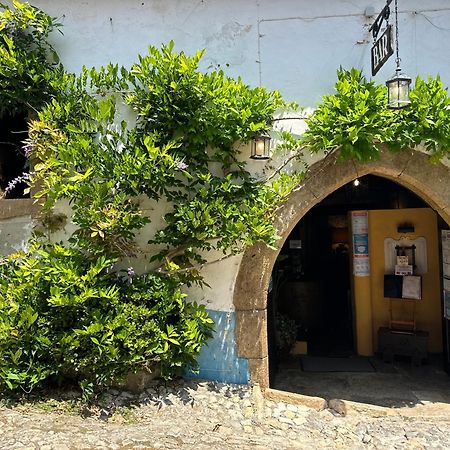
14, 234
291, 45
294, 46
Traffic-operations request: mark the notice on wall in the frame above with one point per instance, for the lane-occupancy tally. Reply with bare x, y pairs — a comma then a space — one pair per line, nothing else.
360, 222
447, 305
360, 240
445, 238
412, 287
446, 269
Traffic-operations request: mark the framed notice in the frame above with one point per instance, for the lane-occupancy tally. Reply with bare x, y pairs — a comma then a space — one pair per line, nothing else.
412, 287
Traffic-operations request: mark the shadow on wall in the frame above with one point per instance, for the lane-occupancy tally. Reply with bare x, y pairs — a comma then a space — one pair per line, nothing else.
219, 359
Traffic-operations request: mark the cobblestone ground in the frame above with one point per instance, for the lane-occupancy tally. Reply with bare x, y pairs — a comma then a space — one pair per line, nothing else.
201, 415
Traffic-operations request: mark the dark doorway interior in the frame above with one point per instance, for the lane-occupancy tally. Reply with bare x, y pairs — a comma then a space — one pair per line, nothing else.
310, 298
13, 162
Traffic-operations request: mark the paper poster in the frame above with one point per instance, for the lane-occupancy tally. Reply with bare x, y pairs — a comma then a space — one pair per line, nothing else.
446, 255
446, 284
403, 270
445, 239
446, 269
445, 234
447, 304
402, 261
360, 240
412, 287
361, 267
360, 222
361, 244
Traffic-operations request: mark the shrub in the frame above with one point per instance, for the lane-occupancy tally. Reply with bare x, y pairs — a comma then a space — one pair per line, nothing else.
69, 317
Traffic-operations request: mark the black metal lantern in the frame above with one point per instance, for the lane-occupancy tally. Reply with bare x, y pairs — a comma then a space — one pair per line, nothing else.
399, 85
261, 146
398, 90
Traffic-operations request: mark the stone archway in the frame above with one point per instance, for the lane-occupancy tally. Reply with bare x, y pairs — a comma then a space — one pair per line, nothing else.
411, 169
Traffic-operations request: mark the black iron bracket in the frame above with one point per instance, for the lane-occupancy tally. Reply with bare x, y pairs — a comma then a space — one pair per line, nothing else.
383, 16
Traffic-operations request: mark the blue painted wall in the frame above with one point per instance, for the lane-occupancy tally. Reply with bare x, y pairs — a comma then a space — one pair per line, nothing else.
219, 360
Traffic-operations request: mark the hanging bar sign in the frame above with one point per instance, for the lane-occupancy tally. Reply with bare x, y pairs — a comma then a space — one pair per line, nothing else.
382, 50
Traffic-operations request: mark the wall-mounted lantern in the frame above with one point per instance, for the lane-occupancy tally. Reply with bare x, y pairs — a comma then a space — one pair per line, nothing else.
261, 146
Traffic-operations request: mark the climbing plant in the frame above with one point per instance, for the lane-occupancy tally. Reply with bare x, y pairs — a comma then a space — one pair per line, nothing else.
28, 61
67, 310
356, 119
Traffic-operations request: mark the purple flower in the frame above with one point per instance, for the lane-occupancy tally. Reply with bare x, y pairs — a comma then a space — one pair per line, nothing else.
130, 273
27, 150
15, 181
181, 165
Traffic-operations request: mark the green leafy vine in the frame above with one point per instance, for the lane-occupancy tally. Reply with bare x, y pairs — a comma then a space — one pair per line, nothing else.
181, 150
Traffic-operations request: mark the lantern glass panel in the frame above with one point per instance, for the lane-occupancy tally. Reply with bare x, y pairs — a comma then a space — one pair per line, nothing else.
398, 92
261, 147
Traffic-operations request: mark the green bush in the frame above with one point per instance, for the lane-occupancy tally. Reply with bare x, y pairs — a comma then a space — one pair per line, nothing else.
28, 61
69, 317
66, 312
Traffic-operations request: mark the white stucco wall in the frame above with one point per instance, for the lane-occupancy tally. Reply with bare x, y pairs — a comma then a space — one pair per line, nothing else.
291, 45
14, 234
294, 46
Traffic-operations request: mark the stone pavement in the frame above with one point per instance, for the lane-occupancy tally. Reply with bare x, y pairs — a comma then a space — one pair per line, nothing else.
202, 415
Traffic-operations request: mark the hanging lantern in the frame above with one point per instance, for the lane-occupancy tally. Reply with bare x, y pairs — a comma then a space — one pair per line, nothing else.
399, 85
398, 90
261, 146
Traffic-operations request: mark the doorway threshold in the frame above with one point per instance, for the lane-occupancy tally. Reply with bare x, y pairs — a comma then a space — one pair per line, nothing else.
393, 386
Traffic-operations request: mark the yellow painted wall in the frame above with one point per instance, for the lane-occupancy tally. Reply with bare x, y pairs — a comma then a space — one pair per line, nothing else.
383, 224
362, 306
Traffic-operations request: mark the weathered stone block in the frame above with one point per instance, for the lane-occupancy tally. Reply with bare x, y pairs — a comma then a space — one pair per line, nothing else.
390, 164
259, 371
253, 280
137, 382
316, 403
251, 334
429, 181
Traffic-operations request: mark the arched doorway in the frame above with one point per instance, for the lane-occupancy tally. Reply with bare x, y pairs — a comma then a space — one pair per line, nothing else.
410, 169
311, 290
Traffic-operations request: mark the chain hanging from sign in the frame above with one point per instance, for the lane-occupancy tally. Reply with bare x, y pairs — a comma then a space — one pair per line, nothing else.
399, 85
